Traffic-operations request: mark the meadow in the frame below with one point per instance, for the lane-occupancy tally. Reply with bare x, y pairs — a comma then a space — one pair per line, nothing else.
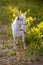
33, 11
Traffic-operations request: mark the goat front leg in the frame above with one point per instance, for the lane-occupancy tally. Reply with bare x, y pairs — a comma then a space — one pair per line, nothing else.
15, 42
24, 42
24, 45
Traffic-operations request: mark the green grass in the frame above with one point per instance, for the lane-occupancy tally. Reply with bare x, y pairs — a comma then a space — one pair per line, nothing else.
13, 53
7, 7
33, 10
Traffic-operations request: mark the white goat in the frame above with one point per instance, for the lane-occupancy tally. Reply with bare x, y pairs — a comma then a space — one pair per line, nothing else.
18, 28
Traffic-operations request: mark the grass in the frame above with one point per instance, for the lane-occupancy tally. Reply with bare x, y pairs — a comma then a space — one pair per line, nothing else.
13, 53
32, 8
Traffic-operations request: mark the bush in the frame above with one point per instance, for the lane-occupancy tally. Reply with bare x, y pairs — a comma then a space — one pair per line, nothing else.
34, 38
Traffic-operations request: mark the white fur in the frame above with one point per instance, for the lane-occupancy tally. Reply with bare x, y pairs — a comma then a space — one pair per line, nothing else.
17, 25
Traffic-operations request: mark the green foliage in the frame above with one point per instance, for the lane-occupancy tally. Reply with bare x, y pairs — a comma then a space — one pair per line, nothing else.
34, 16
33, 38
40, 27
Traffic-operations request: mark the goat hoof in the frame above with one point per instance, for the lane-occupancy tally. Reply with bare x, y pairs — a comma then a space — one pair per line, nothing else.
25, 48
